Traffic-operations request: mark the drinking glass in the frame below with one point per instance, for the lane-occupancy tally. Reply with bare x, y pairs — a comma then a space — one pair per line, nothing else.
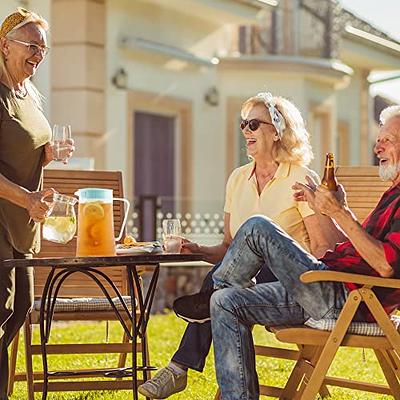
172, 235
61, 147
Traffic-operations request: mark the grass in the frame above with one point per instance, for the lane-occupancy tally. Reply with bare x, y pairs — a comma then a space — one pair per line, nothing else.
164, 335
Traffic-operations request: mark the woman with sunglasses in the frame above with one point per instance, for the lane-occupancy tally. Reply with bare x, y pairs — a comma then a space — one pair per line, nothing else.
278, 145
24, 151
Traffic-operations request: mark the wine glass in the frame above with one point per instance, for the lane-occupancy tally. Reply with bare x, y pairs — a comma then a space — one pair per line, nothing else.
172, 235
60, 142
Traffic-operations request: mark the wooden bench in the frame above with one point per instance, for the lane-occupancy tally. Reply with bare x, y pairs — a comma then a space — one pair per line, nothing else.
78, 285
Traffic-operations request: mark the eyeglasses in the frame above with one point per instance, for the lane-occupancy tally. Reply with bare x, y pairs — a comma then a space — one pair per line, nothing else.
253, 124
33, 47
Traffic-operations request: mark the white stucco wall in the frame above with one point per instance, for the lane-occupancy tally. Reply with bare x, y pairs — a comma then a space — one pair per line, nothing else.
137, 19
348, 108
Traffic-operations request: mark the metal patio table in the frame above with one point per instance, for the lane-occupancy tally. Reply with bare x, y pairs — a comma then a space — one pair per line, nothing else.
62, 268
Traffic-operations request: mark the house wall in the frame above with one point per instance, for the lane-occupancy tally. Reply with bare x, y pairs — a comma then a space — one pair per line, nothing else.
348, 108
158, 76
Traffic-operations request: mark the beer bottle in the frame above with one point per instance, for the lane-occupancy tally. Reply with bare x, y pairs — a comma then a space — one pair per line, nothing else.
329, 180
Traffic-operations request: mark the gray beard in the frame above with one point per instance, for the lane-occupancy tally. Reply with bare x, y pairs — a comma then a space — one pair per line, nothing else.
389, 172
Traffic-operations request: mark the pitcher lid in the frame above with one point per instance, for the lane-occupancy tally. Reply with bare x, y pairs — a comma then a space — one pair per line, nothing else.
95, 194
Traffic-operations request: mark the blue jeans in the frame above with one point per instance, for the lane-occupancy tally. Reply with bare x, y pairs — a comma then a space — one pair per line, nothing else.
196, 341
240, 303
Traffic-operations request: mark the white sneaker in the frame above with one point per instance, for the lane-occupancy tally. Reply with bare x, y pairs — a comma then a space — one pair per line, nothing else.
165, 383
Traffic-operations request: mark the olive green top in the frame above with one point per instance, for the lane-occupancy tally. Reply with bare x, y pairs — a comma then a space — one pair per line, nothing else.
23, 132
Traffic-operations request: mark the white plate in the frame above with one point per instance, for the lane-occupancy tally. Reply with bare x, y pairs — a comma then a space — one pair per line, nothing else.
138, 249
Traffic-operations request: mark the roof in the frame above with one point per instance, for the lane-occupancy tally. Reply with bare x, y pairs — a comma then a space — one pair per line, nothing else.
349, 18
260, 3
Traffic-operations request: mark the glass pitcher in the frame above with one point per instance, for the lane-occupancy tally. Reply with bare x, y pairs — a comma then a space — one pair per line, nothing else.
96, 222
60, 224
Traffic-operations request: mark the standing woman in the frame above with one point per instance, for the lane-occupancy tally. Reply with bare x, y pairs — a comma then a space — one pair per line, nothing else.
24, 151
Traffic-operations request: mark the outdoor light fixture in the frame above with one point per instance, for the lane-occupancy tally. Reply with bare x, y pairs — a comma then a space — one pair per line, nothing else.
212, 96
120, 79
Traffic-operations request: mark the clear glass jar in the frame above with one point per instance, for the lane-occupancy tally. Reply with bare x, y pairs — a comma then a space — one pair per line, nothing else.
60, 223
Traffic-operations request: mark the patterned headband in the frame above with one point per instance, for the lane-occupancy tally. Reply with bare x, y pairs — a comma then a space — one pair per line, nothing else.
15, 20
276, 117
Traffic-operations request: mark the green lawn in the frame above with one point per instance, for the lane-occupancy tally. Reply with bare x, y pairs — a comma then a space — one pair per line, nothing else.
164, 336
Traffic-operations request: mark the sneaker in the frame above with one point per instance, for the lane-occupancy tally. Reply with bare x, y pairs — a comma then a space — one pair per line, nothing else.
164, 384
194, 308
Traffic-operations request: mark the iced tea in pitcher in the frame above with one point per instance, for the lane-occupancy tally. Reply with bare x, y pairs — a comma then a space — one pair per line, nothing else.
96, 229
96, 222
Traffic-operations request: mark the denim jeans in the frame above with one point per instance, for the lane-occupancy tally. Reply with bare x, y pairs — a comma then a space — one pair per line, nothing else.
240, 304
196, 341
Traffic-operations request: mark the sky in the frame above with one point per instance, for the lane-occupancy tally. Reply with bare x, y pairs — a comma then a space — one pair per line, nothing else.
383, 14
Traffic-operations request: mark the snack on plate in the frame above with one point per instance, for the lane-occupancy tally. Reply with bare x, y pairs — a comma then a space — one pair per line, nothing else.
130, 241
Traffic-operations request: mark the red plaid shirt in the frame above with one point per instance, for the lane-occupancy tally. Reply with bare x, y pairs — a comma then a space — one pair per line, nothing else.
383, 224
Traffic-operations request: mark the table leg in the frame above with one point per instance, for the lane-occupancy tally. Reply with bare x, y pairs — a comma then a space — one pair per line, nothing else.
139, 326
144, 318
131, 272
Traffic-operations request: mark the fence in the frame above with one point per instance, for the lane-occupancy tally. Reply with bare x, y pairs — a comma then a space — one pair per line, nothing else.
145, 222
204, 224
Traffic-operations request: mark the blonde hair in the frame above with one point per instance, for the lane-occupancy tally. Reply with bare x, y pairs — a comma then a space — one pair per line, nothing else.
11, 25
294, 146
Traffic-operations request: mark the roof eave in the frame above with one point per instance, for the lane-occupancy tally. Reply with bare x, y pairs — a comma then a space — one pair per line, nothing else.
370, 39
327, 70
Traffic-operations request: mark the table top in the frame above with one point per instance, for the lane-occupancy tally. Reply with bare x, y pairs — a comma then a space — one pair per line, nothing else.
131, 259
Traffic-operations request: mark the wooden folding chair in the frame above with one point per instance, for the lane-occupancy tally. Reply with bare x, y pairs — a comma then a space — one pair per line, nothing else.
76, 286
318, 348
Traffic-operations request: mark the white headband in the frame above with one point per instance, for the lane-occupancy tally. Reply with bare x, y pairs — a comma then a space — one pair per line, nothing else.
276, 117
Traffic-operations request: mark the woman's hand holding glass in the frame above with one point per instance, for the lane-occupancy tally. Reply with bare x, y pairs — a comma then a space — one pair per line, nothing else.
36, 205
62, 144
189, 247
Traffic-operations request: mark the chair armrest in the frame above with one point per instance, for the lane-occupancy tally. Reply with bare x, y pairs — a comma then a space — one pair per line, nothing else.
334, 276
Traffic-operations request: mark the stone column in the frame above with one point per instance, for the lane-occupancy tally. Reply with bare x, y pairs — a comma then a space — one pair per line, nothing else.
78, 73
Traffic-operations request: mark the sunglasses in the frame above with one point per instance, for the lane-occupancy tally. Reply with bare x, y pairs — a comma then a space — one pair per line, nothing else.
253, 124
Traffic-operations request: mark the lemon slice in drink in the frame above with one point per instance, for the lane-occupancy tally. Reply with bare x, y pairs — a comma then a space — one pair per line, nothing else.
93, 210
60, 224
96, 232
